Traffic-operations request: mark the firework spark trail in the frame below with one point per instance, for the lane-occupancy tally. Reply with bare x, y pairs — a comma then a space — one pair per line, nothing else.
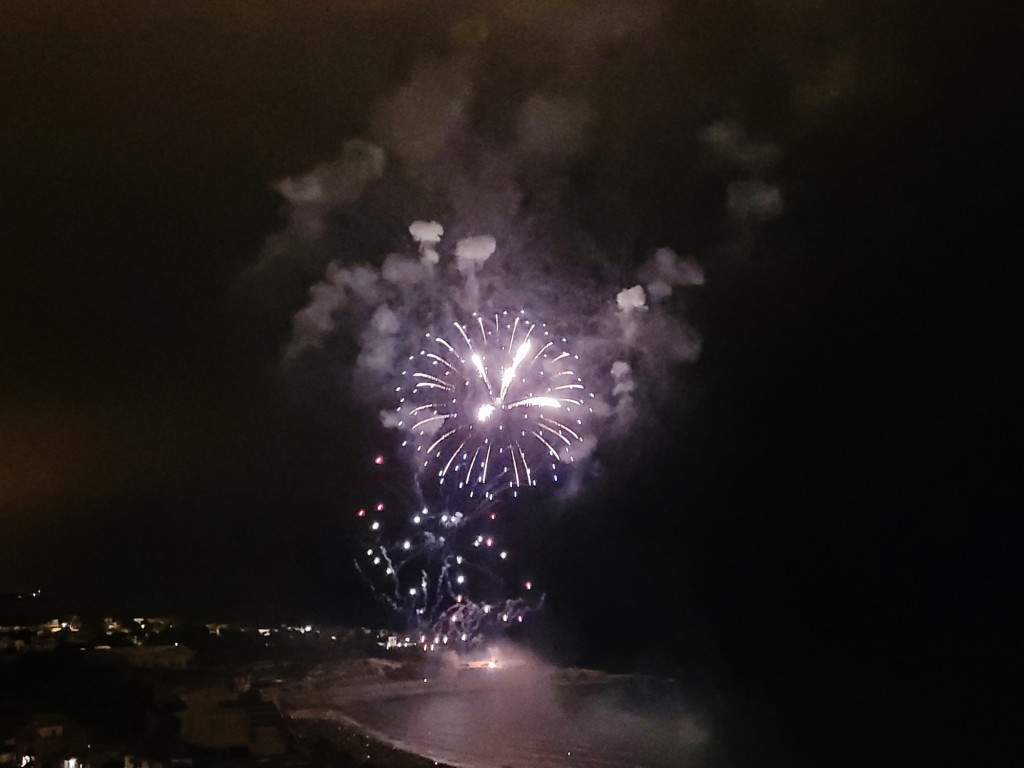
474, 393
440, 573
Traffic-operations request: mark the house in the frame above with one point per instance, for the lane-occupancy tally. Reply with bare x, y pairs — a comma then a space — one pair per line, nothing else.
8, 753
48, 741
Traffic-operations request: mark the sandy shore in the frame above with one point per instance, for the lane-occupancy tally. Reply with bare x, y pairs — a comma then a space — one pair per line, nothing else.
532, 716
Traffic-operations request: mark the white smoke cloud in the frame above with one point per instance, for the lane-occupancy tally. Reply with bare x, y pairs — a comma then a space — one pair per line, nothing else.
665, 270
753, 200
553, 126
581, 30
622, 375
401, 270
824, 86
470, 255
337, 182
379, 347
425, 115
729, 142
426, 232
630, 299
384, 321
472, 252
314, 321
330, 185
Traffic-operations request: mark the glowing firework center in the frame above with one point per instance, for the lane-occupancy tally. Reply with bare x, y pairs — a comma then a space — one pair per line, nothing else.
495, 404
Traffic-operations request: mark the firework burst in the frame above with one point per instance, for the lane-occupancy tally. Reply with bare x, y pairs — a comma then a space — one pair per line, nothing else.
495, 405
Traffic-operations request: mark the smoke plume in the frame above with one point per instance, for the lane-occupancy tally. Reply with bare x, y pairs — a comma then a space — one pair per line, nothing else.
438, 214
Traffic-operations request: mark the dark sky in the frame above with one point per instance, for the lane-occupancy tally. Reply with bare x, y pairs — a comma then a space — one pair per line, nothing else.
831, 507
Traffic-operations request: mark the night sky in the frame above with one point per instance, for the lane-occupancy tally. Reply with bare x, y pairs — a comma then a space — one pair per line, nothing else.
815, 525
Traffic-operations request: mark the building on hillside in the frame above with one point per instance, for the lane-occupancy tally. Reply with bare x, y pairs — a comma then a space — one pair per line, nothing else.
246, 724
48, 741
147, 656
